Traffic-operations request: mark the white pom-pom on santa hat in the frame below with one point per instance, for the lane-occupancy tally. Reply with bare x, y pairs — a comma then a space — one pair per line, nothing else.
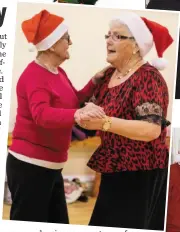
159, 63
158, 31
31, 47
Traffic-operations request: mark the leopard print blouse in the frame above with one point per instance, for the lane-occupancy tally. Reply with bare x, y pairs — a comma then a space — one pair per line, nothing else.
144, 96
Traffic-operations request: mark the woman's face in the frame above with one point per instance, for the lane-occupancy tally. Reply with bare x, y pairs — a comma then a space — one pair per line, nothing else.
119, 49
60, 48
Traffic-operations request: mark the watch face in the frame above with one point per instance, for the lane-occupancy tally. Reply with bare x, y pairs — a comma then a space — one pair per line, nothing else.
106, 126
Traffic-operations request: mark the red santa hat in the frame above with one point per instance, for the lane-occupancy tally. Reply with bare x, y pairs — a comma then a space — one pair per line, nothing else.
43, 30
147, 33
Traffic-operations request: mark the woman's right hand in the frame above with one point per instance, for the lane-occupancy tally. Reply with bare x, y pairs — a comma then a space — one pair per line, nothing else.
89, 111
98, 77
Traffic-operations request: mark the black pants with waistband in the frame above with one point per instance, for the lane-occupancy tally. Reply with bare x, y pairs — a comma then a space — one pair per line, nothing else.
37, 193
131, 199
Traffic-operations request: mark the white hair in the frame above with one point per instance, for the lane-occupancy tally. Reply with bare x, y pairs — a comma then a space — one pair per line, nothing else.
117, 22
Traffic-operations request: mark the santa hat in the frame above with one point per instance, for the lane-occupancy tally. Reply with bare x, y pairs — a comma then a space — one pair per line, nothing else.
147, 33
43, 30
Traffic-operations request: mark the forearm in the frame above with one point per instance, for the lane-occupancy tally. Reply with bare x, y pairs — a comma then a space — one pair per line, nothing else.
86, 93
44, 114
135, 129
49, 117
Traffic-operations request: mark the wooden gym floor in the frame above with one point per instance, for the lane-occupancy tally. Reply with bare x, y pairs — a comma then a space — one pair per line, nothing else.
79, 212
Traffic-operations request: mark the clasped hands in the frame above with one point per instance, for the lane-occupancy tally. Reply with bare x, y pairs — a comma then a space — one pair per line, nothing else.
90, 117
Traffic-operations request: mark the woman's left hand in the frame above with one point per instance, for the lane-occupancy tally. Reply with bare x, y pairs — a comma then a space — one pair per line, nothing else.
99, 75
92, 124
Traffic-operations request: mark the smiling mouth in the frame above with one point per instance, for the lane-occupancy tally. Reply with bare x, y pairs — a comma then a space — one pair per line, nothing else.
109, 51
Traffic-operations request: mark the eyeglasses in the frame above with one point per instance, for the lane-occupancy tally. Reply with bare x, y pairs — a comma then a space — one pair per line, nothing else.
117, 37
67, 37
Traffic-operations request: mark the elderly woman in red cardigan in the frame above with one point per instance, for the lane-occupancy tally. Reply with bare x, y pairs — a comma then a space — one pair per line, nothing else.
132, 156
48, 107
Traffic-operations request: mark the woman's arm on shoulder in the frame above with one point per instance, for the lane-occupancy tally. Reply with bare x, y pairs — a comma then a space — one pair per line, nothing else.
93, 84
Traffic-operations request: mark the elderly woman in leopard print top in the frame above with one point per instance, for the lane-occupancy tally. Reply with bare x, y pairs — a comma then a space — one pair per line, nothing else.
132, 156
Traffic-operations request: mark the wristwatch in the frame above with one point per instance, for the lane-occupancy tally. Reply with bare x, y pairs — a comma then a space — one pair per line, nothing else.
107, 124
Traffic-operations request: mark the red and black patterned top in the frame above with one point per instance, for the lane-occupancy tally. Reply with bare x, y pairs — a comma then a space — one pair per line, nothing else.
144, 96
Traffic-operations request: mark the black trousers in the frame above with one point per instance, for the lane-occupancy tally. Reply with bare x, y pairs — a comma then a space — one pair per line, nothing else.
37, 193
131, 199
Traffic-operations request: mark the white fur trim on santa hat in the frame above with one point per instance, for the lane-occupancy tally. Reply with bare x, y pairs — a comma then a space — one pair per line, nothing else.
51, 39
31, 47
159, 63
138, 29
